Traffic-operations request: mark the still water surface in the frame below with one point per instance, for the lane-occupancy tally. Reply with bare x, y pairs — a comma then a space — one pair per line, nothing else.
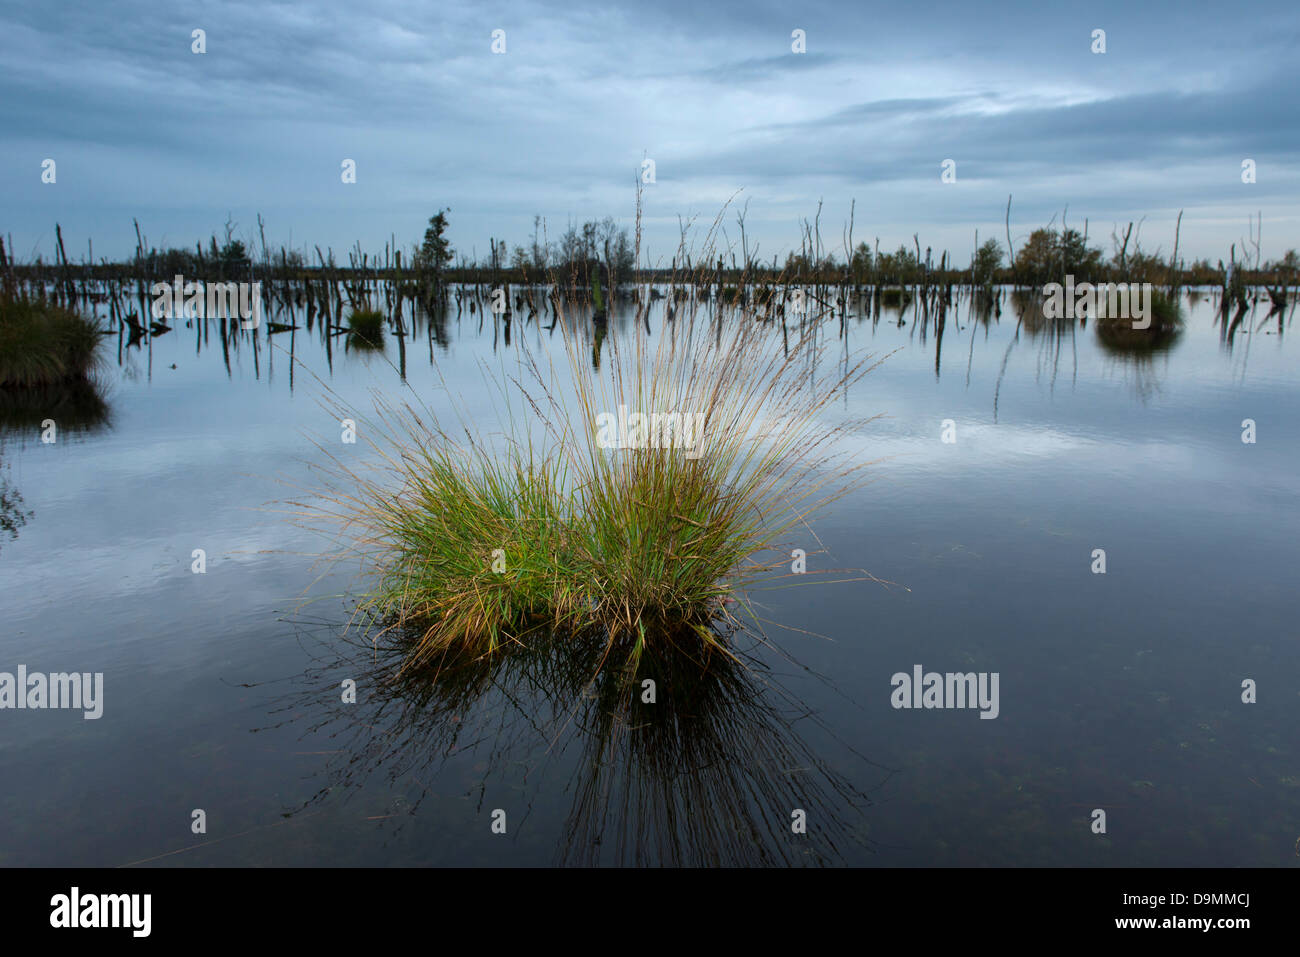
1119, 691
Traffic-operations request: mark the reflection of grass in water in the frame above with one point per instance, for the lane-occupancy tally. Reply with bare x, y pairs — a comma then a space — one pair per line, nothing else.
75, 406
356, 343
1120, 339
12, 515
708, 773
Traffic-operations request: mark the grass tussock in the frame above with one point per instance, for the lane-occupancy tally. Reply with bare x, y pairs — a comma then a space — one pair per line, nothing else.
472, 544
1165, 311
44, 345
1164, 325
366, 328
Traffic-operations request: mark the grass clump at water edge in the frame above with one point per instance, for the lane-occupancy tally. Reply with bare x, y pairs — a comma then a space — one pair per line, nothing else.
44, 345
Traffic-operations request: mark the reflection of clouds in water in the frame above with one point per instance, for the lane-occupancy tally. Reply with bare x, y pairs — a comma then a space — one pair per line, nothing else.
709, 773
996, 444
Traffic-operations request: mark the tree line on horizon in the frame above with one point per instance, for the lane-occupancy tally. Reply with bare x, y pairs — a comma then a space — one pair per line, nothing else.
604, 249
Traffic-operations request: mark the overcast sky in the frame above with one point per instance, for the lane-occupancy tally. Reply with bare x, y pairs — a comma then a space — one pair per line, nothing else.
558, 125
